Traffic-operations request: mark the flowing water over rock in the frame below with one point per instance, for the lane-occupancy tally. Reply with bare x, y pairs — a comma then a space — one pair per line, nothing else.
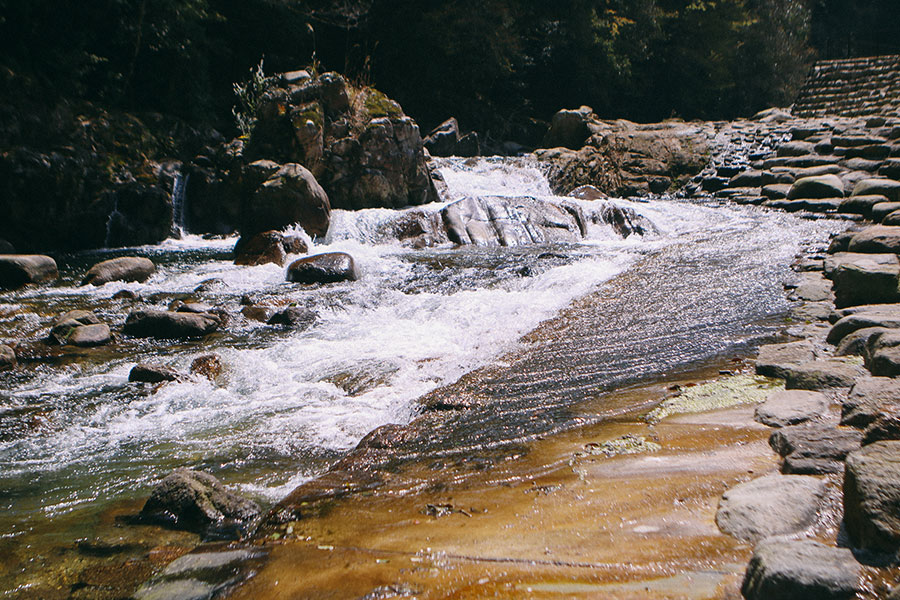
75, 435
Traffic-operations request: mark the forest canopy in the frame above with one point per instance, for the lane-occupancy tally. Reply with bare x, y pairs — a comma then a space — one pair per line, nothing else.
494, 64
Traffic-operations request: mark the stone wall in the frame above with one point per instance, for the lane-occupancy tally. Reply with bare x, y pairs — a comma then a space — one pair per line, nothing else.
851, 88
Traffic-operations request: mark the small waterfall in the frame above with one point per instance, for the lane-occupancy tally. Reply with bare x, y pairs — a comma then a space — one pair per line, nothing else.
110, 220
179, 189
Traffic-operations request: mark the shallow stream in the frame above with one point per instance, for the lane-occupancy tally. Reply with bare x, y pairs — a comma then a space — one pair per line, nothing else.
76, 436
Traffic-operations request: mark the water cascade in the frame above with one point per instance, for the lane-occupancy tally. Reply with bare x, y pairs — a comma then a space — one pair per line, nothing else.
179, 196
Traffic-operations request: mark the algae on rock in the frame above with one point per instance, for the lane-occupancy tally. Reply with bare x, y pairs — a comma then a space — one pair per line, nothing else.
713, 395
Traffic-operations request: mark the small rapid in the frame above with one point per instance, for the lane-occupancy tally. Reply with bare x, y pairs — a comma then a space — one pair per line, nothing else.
75, 434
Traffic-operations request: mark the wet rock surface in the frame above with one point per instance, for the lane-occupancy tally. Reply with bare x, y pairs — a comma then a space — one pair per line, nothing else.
771, 505
267, 247
331, 267
167, 324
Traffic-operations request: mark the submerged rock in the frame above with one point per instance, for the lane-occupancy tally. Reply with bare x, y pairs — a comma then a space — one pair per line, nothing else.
17, 270
330, 267
783, 569
208, 365
872, 497
124, 268
501, 221
172, 325
771, 505
198, 502
293, 317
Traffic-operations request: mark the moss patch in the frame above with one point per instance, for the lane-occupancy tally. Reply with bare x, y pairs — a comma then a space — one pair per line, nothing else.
378, 105
721, 393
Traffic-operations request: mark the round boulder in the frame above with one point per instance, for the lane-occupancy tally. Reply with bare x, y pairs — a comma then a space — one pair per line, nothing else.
171, 325
267, 247
821, 186
569, 129
7, 358
290, 195
17, 270
124, 268
883, 187
330, 267
198, 502
146, 373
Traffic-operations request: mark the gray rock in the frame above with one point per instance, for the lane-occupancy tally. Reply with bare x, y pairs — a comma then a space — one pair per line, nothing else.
267, 247
813, 287
868, 398
124, 268
783, 569
289, 195
857, 343
789, 407
7, 358
882, 187
147, 373
885, 427
294, 317
883, 209
865, 278
259, 313
861, 205
776, 191
876, 239
64, 326
169, 325
814, 449
17, 270
88, 336
198, 502
872, 497
774, 360
888, 318
893, 219
821, 186
442, 140
501, 221
822, 375
796, 148
330, 267
883, 354
201, 563
772, 505
569, 129
811, 311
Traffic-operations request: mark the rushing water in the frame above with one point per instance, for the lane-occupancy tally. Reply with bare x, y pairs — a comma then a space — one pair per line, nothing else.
74, 434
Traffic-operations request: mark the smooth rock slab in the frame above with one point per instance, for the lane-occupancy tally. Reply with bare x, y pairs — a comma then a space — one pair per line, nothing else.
772, 505
17, 270
813, 287
882, 187
872, 497
789, 407
822, 375
178, 589
330, 267
774, 360
169, 325
865, 278
124, 268
783, 569
887, 318
861, 205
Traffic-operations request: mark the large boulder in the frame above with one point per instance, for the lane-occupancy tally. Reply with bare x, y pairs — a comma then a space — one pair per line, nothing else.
865, 278
267, 247
876, 239
868, 398
872, 497
502, 221
124, 268
882, 354
886, 316
569, 128
882, 187
291, 195
197, 501
823, 374
783, 569
776, 360
822, 186
169, 325
814, 449
330, 267
17, 270
772, 505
